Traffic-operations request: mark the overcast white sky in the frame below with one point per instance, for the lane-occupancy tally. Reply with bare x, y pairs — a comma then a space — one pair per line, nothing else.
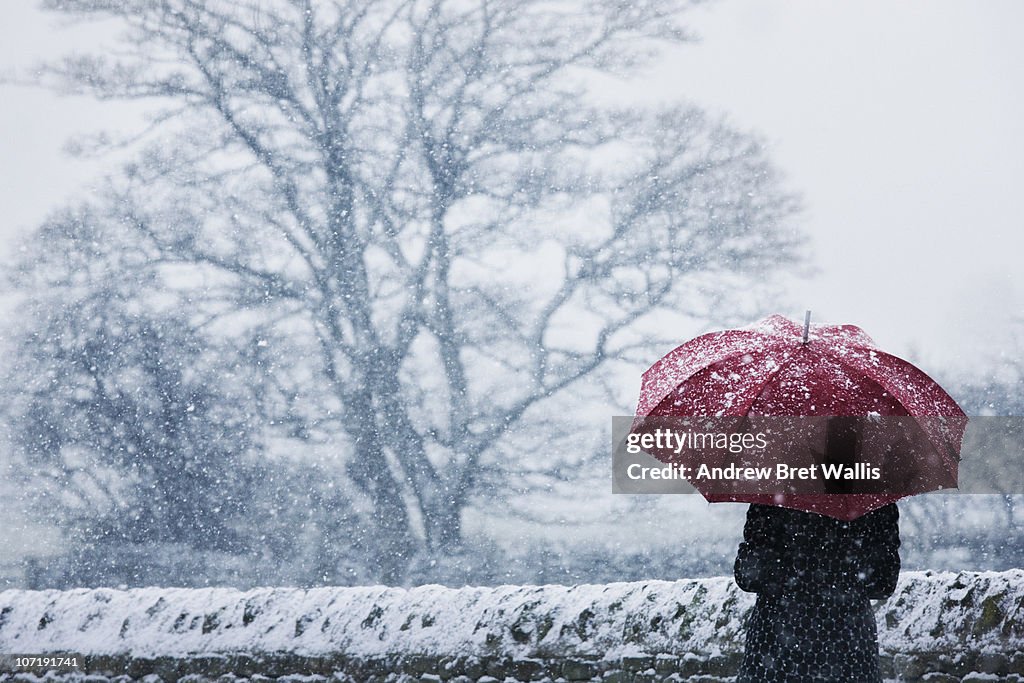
900, 122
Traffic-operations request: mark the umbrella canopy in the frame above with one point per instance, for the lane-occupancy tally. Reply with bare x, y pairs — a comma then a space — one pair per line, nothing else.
777, 367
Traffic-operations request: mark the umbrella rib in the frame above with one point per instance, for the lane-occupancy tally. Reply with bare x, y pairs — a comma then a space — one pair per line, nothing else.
887, 385
945, 442
764, 387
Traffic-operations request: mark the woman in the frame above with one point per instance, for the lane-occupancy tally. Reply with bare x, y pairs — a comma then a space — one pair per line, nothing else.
815, 576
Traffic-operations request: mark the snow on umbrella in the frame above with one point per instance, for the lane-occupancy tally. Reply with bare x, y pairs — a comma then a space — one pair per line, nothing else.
781, 369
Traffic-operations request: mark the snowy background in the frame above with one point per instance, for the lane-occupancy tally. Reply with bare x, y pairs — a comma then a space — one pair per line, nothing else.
187, 379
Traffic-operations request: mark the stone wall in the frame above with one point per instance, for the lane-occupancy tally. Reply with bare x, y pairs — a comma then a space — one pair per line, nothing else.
937, 627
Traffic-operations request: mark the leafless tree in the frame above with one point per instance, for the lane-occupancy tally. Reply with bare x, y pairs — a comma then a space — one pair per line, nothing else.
409, 205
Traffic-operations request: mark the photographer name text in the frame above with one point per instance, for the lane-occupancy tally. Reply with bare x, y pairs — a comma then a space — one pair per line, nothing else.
780, 472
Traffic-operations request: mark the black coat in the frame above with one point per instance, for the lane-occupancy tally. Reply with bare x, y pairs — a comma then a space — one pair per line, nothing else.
814, 577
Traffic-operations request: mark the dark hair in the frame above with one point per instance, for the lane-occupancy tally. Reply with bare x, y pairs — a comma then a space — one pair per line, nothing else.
842, 446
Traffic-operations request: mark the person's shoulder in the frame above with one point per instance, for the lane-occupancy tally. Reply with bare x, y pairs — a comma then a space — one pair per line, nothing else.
887, 510
758, 513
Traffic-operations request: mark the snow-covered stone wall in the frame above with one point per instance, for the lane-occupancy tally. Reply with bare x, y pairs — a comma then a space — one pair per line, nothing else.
936, 627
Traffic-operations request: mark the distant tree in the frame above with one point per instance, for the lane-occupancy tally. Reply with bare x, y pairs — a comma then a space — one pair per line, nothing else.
123, 416
135, 429
413, 223
984, 528
998, 390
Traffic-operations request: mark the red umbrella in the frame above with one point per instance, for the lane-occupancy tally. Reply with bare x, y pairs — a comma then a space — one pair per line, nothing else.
777, 367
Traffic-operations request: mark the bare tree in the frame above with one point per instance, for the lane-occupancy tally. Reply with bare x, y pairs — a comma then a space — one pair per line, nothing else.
138, 409
416, 200
992, 392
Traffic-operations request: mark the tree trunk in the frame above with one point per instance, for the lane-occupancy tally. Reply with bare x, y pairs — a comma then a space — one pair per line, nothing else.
387, 535
444, 526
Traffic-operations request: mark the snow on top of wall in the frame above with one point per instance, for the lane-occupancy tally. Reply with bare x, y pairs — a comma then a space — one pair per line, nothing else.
929, 611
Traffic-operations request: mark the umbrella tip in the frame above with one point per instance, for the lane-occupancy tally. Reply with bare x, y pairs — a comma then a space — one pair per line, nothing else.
807, 325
